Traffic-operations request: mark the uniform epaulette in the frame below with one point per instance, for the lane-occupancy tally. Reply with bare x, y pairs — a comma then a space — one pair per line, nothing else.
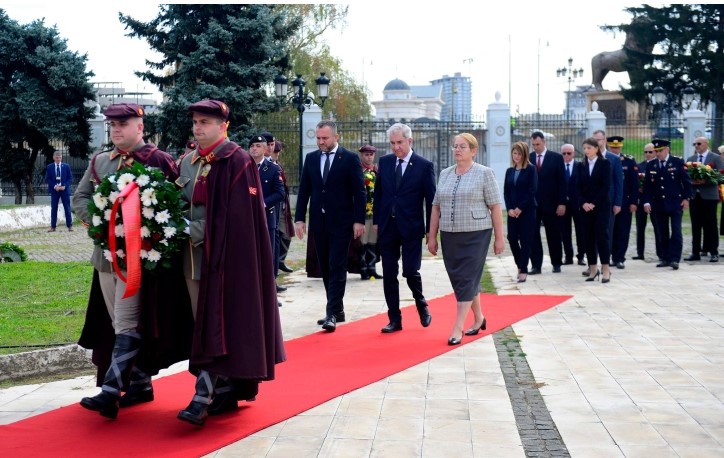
630, 156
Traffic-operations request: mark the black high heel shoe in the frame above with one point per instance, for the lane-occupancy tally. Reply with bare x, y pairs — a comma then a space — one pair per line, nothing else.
598, 272
454, 341
606, 280
475, 331
522, 277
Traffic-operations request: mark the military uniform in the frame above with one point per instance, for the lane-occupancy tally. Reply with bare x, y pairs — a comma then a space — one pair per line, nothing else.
125, 313
642, 219
666, 185
622, 223
272, 188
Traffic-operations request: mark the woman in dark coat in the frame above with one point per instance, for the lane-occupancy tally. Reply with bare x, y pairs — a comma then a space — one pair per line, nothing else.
594, 181
521, 182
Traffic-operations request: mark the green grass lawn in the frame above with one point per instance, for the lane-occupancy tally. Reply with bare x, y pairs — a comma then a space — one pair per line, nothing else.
42, 303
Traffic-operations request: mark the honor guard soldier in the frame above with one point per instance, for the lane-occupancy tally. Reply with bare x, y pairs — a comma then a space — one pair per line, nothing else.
629, 202
125, 313
667, 190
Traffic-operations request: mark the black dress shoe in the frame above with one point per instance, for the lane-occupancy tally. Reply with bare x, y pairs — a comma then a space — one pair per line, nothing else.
475, 331
424, 312
281, 289
375, 275
364, 276
339, 318
638, 257
568, 262
693, 257
556, 269
664, 264
454, 341
534, 271
714, 258
586, 272
283, 267
619, 265
674, 265
329, 325
391, 327
581, 262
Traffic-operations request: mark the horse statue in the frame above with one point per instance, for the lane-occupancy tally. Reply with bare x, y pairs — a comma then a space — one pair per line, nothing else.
615, 61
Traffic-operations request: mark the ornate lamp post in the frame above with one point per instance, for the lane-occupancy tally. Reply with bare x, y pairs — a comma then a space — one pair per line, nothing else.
301, 99
665, 101
572, 75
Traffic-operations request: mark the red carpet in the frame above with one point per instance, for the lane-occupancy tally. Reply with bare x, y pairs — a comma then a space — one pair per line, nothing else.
356, 355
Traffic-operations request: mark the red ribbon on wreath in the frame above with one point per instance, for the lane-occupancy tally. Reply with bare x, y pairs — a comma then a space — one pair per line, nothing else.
130, 202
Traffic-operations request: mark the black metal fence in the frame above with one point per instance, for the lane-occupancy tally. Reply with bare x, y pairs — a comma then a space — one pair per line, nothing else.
431, 139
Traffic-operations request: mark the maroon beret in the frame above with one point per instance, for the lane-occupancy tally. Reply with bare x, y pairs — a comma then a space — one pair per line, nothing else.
368, 149
211, 108
123, 111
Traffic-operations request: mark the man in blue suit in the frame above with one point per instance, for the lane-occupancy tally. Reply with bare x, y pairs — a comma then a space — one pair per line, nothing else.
332, 185
667, 191
405, 186
59, 178
272, 188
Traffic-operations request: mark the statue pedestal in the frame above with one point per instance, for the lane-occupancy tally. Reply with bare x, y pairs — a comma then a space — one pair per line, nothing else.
618, 111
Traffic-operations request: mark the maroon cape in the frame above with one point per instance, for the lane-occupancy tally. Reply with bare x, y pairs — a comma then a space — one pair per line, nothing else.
237, 331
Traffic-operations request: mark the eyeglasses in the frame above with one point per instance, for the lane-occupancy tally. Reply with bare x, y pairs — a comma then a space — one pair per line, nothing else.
460, 147
649, 152
567, 154
697, 144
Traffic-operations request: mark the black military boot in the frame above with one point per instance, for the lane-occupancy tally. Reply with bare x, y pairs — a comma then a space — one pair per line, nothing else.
371, 249
224, 397
197, 410
125, 350
139, 390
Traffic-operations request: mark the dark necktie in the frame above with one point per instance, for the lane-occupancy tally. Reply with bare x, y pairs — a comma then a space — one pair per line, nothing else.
568, 171
662, 164
398, 173
326, 168
57, 170
701, 158
539, 162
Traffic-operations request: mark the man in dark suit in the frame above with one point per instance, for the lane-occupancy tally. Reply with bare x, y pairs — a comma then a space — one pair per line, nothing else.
572, 216
629, 202
551, 198
59, 178
704, 203
272, 188
641, 215
405, 187
667, 190
332, 185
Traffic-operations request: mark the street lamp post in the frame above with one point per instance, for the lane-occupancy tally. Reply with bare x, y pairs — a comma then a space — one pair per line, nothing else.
665, 100
572, 75
301, 99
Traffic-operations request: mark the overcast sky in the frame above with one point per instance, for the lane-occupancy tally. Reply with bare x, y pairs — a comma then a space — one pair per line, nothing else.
500, 46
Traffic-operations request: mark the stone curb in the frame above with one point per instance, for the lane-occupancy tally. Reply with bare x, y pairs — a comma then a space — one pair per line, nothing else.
44, 362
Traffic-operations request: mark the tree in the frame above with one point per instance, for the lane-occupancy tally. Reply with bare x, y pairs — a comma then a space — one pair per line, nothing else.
309, 55
229, 52
44, 90
691, 40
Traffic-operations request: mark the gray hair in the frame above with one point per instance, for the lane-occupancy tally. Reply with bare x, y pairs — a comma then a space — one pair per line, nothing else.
399, 127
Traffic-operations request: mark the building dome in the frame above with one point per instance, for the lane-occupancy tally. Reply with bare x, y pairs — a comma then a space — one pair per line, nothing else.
396, 85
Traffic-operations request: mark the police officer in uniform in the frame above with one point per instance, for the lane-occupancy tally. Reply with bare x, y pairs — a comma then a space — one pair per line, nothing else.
667, 190
641, 216
272, 188
629, 202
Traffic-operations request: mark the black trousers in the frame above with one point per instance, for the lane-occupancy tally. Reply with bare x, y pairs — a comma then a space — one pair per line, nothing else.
520, 236
621, 234
596, 234
553, 236
392, 245
332, 248
641, 221
703, 219
672, 241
